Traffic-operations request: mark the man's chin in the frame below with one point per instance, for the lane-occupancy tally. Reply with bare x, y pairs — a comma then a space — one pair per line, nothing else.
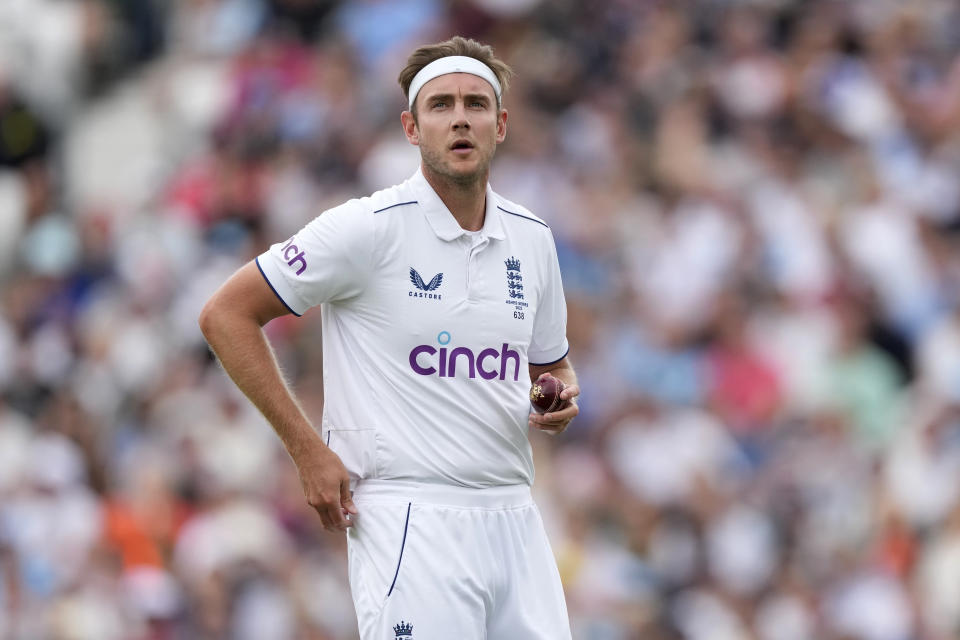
464, 172
467, 177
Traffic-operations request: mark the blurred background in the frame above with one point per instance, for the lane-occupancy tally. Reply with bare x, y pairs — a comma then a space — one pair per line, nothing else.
757, 211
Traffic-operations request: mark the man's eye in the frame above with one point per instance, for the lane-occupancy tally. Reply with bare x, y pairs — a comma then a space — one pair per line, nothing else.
439, 103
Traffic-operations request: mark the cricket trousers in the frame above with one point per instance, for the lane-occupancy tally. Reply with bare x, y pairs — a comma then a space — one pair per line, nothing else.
438, 562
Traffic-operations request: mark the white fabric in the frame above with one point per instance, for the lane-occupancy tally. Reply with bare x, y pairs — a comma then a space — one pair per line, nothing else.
396, 407
453, 64
450, 562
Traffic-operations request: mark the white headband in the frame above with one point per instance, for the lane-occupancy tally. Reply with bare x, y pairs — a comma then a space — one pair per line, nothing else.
452, 64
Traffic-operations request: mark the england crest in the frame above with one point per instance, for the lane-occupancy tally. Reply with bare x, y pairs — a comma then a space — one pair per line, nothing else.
514, 278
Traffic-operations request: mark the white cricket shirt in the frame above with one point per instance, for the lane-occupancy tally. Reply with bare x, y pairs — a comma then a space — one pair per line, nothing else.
427, 332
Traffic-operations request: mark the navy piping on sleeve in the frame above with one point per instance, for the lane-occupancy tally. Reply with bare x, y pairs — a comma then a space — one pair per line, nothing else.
269, 284
402, 545
537, 364
399, 204
328, 437
520, 215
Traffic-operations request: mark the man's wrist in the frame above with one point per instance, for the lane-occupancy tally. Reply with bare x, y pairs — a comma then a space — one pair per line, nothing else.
300, 440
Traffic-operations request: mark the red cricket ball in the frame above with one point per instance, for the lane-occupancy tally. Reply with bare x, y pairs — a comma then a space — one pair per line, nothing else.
545, 395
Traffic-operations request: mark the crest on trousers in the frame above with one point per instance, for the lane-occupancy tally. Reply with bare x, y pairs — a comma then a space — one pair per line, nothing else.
403, 631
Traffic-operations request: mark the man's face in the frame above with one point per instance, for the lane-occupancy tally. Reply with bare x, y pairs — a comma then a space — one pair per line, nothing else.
458, 126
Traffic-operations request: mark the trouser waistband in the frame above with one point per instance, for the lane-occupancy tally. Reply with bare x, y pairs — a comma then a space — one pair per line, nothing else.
497, 497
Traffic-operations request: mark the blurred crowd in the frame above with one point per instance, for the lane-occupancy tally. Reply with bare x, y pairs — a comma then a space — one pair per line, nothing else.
757, 210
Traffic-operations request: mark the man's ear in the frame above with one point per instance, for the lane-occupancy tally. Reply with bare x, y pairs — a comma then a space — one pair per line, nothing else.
501, 126
410, 127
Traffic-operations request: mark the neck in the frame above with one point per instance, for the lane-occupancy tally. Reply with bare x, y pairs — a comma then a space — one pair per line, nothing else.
466, 200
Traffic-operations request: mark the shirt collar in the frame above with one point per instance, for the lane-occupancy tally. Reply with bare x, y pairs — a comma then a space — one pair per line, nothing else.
442, 221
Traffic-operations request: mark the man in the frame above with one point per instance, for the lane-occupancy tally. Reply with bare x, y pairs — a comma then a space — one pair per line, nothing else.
435, 293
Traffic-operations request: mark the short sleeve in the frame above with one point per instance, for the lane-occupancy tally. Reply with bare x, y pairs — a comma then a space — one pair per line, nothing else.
549, 342
329, 260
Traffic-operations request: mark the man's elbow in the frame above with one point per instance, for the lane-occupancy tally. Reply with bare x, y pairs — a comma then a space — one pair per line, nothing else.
210, 316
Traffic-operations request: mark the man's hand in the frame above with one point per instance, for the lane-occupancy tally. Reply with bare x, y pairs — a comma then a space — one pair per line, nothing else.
557, 421
326, 486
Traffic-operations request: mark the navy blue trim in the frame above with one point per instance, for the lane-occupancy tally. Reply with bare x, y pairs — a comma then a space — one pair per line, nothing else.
328, 437
402, 545
547, 364
269, 284
399, 204
520, 215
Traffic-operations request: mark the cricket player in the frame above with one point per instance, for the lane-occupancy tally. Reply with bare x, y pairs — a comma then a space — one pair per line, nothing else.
440, 302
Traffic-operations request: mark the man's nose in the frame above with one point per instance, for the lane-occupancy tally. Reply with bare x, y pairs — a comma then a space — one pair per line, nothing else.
460, 119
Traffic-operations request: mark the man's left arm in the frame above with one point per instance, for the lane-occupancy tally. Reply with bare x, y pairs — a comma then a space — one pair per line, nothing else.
557, 421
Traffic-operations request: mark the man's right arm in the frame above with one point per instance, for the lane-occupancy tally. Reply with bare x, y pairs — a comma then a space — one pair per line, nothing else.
232, 322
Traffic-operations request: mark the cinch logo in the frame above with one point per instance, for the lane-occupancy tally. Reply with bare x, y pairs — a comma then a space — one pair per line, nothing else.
423, 358
291, 249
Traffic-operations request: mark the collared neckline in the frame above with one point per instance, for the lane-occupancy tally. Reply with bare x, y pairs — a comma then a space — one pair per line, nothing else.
442, 221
